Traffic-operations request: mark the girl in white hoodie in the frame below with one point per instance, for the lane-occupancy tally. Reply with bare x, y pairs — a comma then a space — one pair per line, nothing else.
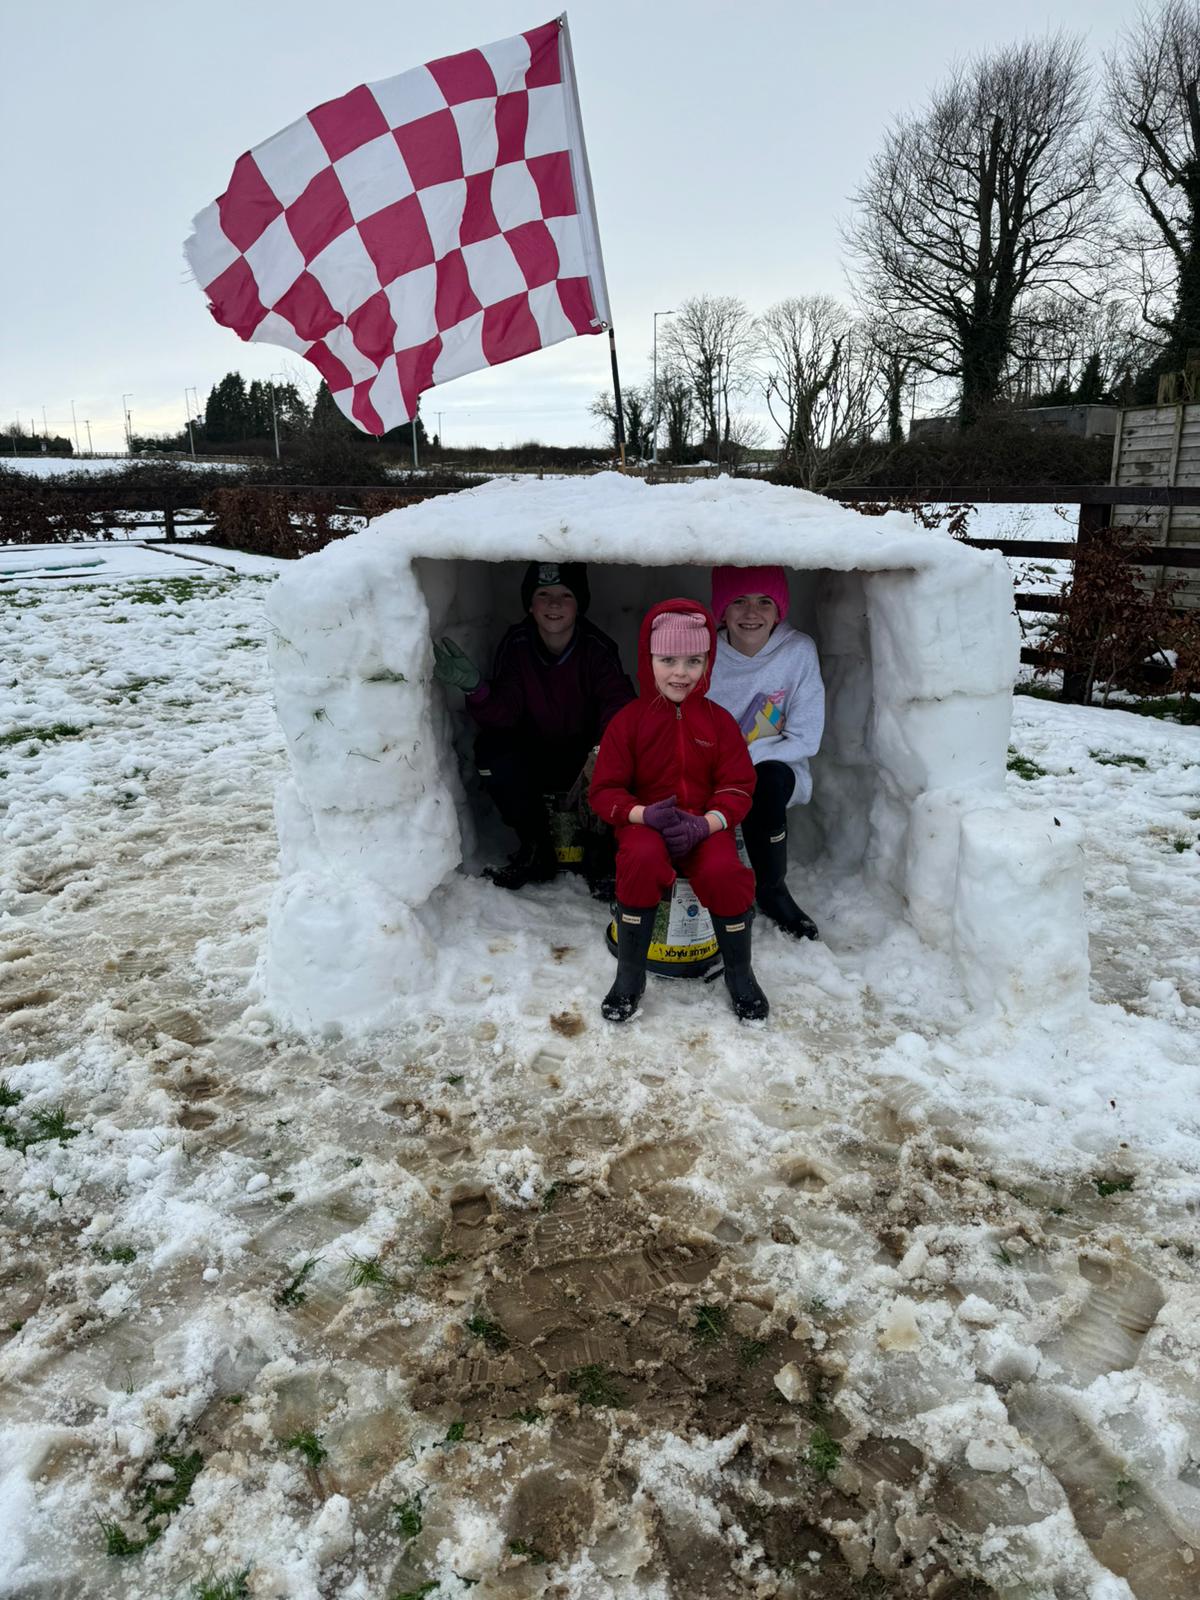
767, 675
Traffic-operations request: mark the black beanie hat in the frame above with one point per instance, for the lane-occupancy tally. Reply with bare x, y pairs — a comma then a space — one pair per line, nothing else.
570, 574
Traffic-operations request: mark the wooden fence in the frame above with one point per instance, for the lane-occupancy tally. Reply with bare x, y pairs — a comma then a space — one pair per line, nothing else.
1095, 502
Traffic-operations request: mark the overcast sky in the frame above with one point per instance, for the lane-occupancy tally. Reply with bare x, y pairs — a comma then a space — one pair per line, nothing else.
724, 142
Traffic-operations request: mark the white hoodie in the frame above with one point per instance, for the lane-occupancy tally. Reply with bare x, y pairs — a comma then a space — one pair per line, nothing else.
776, 698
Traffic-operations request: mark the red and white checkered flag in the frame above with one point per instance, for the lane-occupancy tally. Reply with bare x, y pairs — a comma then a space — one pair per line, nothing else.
415, 229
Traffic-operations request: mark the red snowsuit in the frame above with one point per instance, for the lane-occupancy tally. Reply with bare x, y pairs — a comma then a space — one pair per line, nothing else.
653, 749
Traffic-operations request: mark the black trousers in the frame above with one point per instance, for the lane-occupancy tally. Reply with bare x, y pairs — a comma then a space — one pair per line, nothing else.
767, 817
518, 769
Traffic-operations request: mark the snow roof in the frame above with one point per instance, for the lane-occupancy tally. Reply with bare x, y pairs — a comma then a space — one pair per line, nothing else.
613, 518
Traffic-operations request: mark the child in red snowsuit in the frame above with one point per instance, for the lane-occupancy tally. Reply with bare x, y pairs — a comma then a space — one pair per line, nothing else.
673, 777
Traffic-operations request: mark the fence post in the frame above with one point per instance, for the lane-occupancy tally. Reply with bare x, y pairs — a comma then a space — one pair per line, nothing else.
1093, 520
169, 518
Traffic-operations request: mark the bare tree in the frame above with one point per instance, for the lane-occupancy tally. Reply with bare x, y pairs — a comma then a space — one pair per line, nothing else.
1154, 107
989, 193
637, 404
821, 377
1076, 349
711, 342
676, 412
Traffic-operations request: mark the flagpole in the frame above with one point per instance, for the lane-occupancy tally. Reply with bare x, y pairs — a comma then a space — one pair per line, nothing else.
592, 241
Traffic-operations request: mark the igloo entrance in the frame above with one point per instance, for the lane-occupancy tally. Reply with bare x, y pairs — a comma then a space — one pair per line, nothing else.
918, 646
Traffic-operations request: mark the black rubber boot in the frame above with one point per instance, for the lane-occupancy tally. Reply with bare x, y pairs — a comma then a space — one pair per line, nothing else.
635, 927
749, 1003
533, 861
769, 858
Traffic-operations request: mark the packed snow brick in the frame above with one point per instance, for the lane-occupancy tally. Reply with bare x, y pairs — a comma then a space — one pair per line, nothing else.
918, 643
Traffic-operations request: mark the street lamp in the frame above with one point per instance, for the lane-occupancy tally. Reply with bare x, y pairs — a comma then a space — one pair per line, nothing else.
274, 413
654, 444
125, 399
189, 406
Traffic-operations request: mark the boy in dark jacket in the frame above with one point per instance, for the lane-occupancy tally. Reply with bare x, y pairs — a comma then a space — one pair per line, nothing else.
674, 778
556, 683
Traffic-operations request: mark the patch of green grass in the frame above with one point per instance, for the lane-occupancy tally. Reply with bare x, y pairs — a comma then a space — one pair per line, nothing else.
1110, 758
293, 1292
550, 1198
1024, 767
51, 1123
162, 1500
440, 1261
455, 1078
1181, 843
522, 1547
245, 644
309, 1446
285, 1196
1125, 1488
386, 675
1107, 1186
455, 1433
484, 1327
8, 1095
593, 1385
1003, 1257
750, 1352
1167, 708
118, 1254
416, 1594
117, 1542
366, 1272
823, 1454
408, 1516
234, 1399
529, 1415
232, 1587
50, 733
710, 1324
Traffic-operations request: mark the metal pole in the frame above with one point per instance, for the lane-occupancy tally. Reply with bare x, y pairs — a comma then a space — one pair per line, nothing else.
187, 411
75, 427
87, 424
619, 410
45, 430
413, 425
274, 416
125, 399
654, 445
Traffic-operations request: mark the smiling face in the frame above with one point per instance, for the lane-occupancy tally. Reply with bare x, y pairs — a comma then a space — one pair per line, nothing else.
554, 609
676, 676
749, 622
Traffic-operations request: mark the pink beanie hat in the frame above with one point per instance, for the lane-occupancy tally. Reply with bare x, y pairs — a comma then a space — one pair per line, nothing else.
679, 633
729, 583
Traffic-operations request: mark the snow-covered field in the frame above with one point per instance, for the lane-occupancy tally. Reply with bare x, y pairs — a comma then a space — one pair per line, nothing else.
878, 1301
56, 466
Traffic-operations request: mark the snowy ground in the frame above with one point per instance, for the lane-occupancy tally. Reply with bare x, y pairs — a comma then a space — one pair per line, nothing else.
876, 1301
55, 466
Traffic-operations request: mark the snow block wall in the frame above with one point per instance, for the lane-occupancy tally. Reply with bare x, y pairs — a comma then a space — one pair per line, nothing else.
918, 642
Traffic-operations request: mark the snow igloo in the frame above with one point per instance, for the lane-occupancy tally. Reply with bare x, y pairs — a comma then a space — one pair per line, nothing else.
918, 642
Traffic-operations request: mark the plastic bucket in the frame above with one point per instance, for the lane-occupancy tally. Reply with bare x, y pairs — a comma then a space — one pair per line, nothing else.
683, 944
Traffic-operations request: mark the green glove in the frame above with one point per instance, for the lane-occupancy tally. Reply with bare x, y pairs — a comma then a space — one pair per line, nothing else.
454, 667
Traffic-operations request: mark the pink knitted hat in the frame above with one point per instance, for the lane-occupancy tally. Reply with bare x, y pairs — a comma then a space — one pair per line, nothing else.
679, 633
729, 583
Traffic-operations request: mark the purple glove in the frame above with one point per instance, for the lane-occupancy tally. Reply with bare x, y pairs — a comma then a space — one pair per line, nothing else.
661, 814
684, 833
